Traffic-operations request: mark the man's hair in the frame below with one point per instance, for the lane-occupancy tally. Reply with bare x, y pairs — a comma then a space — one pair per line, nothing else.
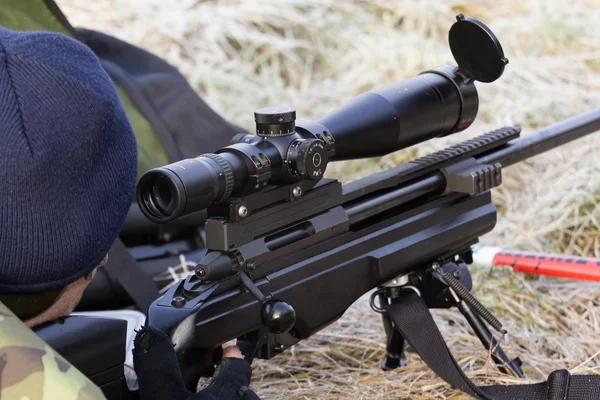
68, 162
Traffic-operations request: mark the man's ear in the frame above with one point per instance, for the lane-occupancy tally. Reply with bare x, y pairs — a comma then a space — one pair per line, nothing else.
91, 274
104, 261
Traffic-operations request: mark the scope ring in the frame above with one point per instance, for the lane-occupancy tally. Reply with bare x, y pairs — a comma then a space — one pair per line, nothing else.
374, 307
227, 171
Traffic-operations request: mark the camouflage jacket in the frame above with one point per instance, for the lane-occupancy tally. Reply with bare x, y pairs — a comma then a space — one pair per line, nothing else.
32, 370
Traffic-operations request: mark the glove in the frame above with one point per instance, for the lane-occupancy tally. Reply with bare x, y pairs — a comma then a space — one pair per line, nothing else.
159, 376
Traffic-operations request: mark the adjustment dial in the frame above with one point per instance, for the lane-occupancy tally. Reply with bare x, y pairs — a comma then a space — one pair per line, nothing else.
275, 121
307, 158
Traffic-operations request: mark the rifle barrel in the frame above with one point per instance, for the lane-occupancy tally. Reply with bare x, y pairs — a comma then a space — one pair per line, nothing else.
545, 139
517, 150
366, 208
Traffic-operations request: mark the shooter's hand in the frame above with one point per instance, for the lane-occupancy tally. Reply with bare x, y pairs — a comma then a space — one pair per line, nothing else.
159, 376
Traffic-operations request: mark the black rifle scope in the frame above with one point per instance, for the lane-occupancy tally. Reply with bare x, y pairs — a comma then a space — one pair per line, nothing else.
433, 104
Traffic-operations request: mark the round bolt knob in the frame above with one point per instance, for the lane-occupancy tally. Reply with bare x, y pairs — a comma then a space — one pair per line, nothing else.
275, 121
278, 316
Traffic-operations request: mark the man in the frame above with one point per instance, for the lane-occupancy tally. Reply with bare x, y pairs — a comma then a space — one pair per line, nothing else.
68, 163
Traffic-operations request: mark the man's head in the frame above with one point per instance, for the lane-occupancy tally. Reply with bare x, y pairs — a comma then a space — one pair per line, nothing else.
68, 163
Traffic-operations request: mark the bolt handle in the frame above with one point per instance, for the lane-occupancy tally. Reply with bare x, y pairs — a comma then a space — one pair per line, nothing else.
277, 315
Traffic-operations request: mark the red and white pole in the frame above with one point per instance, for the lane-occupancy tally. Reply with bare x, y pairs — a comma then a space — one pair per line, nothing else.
560, 266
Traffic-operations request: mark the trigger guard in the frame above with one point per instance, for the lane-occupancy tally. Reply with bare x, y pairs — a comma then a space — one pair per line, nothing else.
248, 349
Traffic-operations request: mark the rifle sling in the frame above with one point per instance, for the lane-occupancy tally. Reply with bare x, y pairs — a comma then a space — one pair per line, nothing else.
123, 268
412, 318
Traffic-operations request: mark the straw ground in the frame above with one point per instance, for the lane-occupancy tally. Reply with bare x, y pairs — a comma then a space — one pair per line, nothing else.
316, 54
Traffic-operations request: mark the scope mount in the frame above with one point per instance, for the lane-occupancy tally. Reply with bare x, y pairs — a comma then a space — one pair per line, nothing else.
476, 49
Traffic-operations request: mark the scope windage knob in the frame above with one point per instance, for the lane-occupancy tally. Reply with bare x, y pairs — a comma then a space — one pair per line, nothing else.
275, 121
307, 158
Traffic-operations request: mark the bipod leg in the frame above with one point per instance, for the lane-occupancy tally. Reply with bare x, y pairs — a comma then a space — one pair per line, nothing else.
394, 349
476, 313
394, 352
489, 342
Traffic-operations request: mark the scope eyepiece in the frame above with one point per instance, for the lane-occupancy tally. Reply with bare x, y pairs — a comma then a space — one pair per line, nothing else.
160, 194
190, 185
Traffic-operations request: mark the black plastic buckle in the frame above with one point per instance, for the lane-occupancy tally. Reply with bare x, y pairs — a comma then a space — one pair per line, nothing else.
558, 385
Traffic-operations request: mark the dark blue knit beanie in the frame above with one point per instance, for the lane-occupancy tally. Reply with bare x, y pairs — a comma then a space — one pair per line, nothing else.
68, 161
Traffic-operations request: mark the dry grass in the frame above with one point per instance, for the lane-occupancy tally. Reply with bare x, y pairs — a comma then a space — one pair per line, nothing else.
316, 54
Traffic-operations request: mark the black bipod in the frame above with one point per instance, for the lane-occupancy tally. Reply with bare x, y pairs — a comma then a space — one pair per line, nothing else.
394, 349
442, 286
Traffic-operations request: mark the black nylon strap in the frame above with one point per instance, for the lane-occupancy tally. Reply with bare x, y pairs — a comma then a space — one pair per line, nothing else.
122, 267
414, 321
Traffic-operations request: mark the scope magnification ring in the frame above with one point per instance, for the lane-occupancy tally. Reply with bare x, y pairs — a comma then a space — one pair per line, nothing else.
227, 171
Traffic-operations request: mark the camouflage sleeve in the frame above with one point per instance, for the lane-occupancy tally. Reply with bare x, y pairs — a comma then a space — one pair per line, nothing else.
32, 370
